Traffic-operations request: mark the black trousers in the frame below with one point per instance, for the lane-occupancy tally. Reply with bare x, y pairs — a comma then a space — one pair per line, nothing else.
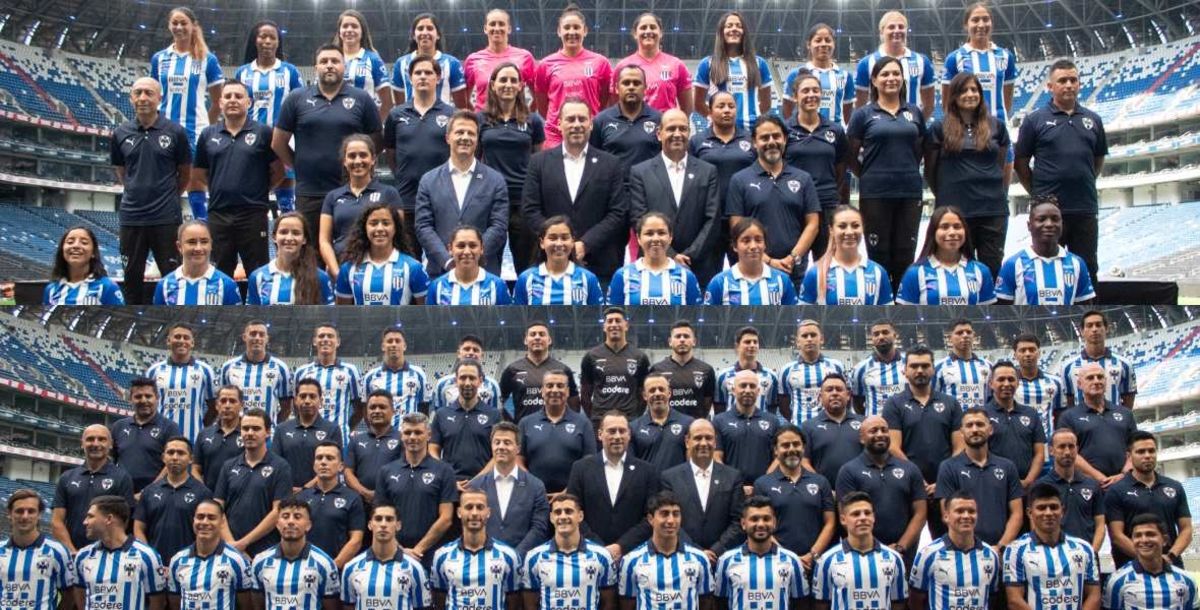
137, 243
1081, 235
890, 226
239, 233
522, 240
987, 236
310, 207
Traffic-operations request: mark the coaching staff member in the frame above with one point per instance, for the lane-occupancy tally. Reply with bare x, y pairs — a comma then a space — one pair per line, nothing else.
251, 486
153, 160
98, 475
163, 516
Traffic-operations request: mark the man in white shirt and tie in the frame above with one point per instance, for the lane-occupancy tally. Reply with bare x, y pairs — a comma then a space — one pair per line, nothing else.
710, 493
520, 513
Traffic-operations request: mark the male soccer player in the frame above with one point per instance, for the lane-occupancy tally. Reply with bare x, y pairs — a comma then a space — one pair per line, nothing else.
880, 376
521, 380
138, 440
186, 386
163, 516
340, 381
760, 574
957, 570
470, 347
838, 577
407, 382
1035, 389
475, 571
1047, 567
693, 381
800, 381
295, 574
383, 576
35, 570
1122, 387
208, 573
1149, 582
746, 346
665, 571
611, 374
116, 571
569, 571
266, 381
335, 507
73, 494
962, 374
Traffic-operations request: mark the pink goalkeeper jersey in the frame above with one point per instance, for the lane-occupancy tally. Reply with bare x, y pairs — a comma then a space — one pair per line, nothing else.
666, 76
587, 75
479, 66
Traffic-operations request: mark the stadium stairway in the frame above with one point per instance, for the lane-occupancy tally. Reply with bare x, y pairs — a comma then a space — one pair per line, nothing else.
45, 97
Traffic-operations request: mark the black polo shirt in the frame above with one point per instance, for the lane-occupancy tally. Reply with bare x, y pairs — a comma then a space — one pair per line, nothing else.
747, 441
344, 207
417, 492
78, 486
1128, 498
167, 513
615, 378
1014, 433
779, 202
729, 157
992, 485
631, 142
151, 158
521, 381
239, 166
335, 514
551, 448
1064, 148
1103, 436
249, 493
368, 453
893, 488
891, 151
828, 444
419, 142
138, 447
800, 507
213, 448
818, 152
297, 444
925, 430
506, 147
973, 177
1083, 500
319, 126
465, 437
691, 383
660, 444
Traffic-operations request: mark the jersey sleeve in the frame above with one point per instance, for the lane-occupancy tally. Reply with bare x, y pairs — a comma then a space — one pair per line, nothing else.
910, 292
418, 280
436, 578
398, 76
627, 582
857, 127
848, 89
862, 75
705, 586
702, 70
928, 78
287, 112
153, 575
884, 296
808, 287
764, 72
1112, 598
919, 577
379, 72
789, 292
1006, 282
950, 66
987, 286
947, 483
616, 292
1083, 288
693, 290
789, 84
595, 292
714, 289
899, 587
457, 76
294, 79
331, 586
1014, 566
232, 297
343, 289
820, 580
212, 71
348, 595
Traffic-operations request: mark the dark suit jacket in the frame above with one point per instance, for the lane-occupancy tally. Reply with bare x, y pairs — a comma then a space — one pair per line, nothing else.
485, 207
694, 221
598, 212
526, 524
719, 528
622, 522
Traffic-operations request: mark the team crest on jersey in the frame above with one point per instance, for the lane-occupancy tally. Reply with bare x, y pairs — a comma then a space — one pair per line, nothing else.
1088, 123
1069, 277
485, 298
1169, 492
830, 137
154, 432
939, 407
189, 497
1025, 421
898, 473
744, 145
698, 379
649, 127
223, 575
339, 503
855, 424
310, 578
579, 294
999, 474
664, 74
1086, 494
106, 484
793, 186
690, 572
130, 568
570, 428
441, 120
764, 424
320, 435
1077, 559
908, 116
428, 478
392, 444
812, 489
631, 366
375, 197
972, 283
482, 418
588, 70
347, 103
251, 138
889, 570
872, 284
676, 429
267, 470
164, 142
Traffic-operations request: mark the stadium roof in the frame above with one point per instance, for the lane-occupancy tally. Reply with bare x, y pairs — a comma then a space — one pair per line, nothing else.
1037, 29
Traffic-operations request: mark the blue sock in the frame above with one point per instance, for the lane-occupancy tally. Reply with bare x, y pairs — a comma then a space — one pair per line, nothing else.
198, 200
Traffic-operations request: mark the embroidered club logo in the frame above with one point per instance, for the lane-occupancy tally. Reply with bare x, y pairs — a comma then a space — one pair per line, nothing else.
908, 115
1169, 492
442, 120
665, 74
106, 484
570, 428
189, 497
427, 478
482, 418
320, 435
589, 70
347, 103
973, 283
999, 474
898, 473
793, 186
744, 145
630, 366
1069, 277
677, 429
1024, 420
375, 197
764, 425
578, 294
829, 137
164, 142
130, 569
698, 379
1088, 123
649, 127
939, 407
677, 287
1086, 494
855, 424
872, 284
267, 470
392, 444
1118, 417
154, 432
812, 489
339, 503
251, 139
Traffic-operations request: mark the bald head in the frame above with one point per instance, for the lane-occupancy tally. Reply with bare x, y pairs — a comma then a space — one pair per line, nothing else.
873, 434
673, 132
144, 95
701, 442
97, 443
746, 390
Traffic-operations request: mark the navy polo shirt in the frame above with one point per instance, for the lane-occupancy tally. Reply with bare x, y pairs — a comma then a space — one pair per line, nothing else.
893, 488
465, 437
319, 126
368, 453
78, 486
151, 158
818, 152
345, 207
417, 492
1014, 433
992, 485
239, 166
249, 493
1128, 498
1064, 148
972, 178
297, 444
167, 512
925, 430
419, 142
550, 448
506, 147
828, 444
1083, 500
747, 441
631, 142
660, 444
1103, 436
729, 157
800, 507
335, 514
891, 151
780, 203
213, 448
138, 447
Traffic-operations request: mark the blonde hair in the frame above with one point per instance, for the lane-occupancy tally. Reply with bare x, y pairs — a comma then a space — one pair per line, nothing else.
199, 50
888, 17
826, 259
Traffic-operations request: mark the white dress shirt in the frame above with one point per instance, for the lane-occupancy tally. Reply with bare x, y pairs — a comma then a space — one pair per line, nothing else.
461, 180
504, 488
612, 476
703, 477
573, 168
676, 172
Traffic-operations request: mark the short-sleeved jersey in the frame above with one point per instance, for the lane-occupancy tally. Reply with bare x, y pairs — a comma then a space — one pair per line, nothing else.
408, 384
341, 386
837, 89
1054, 575
399, 583
302, 583
185, 81
964, 380
212, 288
569, 580
397, 281
996, 68
691, 383
852, 580
1043, 394
208, 583
120, 578
736, 83
875, 381
666, 78
731, 287
916, 68
635, 284
452, 80
264, 384
166, 513
478, 68
183, 393
768, 385
267, 285
929, 282
750, 581
367, 71
865, 284
1133, 588
88, 291
576, 286
31, 577
587, 75
800, 380
1027, 278
665, 582
1122, 377
475, 580
956, 578
486, 289
268, 87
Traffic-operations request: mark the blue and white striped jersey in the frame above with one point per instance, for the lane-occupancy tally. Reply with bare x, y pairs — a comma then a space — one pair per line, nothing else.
445, 392
31, 577
876, 381
1133, 588
768, 385
399, 583
760, 582
209, 583
263, 384
267, 285
929, 282
730, 287
212, 288
577, 286
850, 580
453, 77
1028, 279
569, 580
367, 71
865, 284
268, 87
409, 386
183, 393
802, 381
1043, 394
294, 584
89, 291
120, 578
474, 580
916, 68
487, 289
340, 387
955, 578
665, 582
1054, 575
185, 82
995, 68
837, 89
397, 281
634, 284
965, 380
1122, 378
746, 100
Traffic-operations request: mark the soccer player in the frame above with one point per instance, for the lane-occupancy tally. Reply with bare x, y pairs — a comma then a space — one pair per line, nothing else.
479, 66
138, 440
1103, 428
744, 433
295, 574
365, 69
221, 441
163, 516
1143, 490
265, 381
196, 281
572, 71
957, 570
1047, 567
693, 381
1082, 496
521, 380
521, 518
658, 435
115, 570
611, 373
665, 567
879, 377
76, 488
383, 576
251, 486
837, 84
186, 386
800, 380
445, 389
462, 431
1035, 389
340, 381
372, 449
859, 572
208, 573
37, 570
751, 280
468, 283
734, 67
760, 574
803, 499
1017, 431
1045, 273
569, 570
296, 439
1149, 581
333, 505
990, 479
1094, 330
962, 374
555, 436
407, 382
425, 39
746, 346
832, 437
421, 487
916, 69
475, 571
